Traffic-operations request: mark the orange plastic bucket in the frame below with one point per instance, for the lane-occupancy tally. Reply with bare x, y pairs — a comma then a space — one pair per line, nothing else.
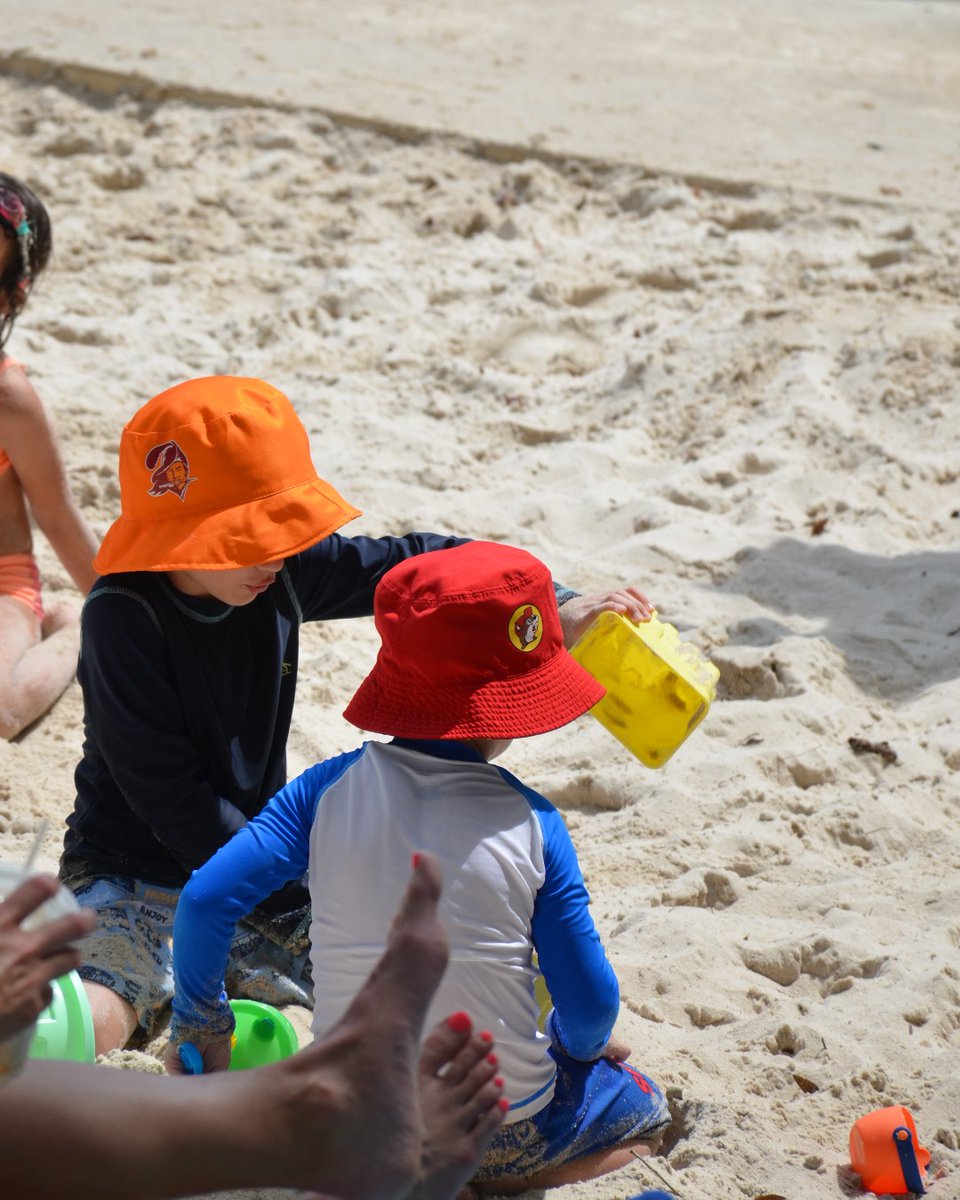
885, 1153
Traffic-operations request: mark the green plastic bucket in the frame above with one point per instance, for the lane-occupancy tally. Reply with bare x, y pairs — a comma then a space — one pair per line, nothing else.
65, 1027
262, 1035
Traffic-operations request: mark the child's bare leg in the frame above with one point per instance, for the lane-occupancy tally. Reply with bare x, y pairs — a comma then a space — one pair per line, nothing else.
591, 1166
462, 1107
36, 662
114, 1019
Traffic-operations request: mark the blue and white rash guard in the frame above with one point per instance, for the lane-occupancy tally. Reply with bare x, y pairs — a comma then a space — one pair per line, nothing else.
512, 887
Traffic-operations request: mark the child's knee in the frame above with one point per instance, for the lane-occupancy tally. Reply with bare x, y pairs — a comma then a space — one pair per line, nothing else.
114, 1019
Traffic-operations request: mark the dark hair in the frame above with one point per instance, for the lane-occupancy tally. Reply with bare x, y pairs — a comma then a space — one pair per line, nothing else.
40, 244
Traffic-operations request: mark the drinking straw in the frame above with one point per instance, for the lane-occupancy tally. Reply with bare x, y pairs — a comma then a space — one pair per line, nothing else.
35, 848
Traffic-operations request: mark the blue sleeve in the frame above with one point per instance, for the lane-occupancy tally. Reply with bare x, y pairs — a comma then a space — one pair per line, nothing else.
581, 982
270, 850
563, 593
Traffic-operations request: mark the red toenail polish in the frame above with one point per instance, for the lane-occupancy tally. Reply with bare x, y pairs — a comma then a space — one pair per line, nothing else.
459, 1022
415, 860
497, 1081
486, 1036
503, 1104
492, 1060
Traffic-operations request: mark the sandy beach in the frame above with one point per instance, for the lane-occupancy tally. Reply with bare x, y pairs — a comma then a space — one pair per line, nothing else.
688, 319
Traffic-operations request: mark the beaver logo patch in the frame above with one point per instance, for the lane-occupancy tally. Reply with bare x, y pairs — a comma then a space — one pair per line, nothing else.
526, 627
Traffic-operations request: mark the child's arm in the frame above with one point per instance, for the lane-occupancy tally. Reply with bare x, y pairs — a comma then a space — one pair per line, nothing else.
28, 437
581, 982
337, 577
272, 849
577, 612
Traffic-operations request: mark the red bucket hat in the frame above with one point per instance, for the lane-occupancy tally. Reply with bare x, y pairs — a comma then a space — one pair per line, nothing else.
471, 648
216, 473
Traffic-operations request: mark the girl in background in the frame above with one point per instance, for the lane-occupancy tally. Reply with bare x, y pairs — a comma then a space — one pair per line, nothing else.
38, 649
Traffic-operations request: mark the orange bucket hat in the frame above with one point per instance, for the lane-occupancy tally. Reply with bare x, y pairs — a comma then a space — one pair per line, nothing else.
471, 648
216, 473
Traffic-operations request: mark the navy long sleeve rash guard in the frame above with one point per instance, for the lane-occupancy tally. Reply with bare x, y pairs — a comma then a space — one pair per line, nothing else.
188, 702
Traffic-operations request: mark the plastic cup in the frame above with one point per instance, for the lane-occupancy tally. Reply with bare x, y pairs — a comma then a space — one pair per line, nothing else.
14, 1051
64, 1029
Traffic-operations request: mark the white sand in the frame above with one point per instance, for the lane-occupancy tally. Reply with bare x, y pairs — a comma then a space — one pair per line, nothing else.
743, 397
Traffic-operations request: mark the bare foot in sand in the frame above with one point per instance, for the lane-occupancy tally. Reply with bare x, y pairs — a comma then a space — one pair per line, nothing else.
37, 661
462, 1103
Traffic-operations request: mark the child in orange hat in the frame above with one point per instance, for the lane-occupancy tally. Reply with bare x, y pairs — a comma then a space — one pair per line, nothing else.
38, 646
472, 656
227, 541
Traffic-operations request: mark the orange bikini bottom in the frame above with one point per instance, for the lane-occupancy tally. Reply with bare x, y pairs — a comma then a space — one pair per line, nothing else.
20, 579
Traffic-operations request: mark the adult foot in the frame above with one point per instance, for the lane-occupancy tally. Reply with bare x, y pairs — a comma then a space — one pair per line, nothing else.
461, 1097
347, 1107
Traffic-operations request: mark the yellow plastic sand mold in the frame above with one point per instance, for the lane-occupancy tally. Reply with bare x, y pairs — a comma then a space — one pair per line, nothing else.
659, 688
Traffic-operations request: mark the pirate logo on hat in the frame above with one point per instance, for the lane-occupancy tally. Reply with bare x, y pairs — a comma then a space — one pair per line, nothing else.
526, 627
171, 471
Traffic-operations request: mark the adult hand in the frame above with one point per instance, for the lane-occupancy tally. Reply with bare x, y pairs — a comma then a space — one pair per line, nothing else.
214, 1051
580, 611
30, 959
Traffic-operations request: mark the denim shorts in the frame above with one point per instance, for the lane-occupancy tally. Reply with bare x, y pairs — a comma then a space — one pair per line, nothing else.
595, 1106
131, 951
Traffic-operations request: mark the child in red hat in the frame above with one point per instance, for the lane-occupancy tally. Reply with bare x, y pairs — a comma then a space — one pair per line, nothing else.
472, 656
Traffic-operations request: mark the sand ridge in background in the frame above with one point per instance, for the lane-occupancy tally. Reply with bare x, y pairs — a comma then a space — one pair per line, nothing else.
742, 401
847, 98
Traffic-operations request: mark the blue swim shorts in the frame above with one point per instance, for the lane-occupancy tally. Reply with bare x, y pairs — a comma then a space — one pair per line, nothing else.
131, 951
595, 1106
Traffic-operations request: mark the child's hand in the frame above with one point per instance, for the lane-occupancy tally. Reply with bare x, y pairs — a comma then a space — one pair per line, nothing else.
617, 1050
579, 611
30, 959
214, 1051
